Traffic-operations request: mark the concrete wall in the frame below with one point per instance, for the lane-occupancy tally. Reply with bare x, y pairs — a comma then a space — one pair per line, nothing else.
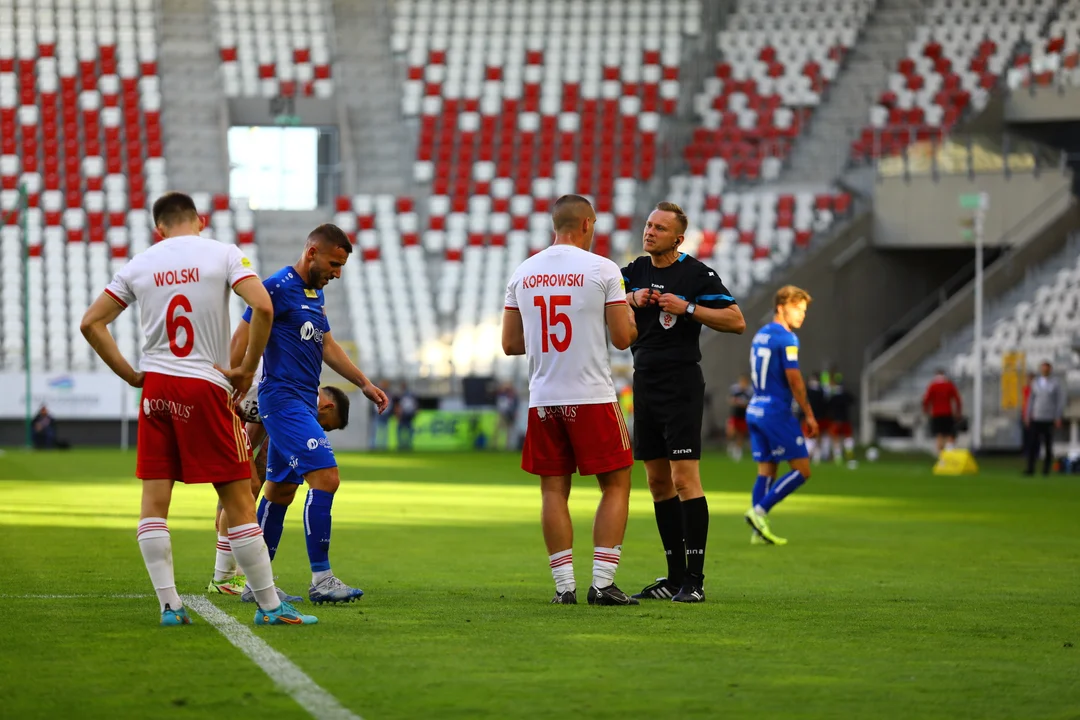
1049, 236
262, 111
925, 212
859, 290
1043, 104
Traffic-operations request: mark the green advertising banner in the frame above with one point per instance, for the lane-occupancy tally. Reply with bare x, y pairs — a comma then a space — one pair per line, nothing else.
447, 430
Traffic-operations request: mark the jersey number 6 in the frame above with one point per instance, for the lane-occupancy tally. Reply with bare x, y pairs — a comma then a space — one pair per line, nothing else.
174, 322
549, 317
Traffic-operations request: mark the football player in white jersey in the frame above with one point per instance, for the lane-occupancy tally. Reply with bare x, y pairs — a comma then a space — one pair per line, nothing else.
189, 430
333, 415
560, 306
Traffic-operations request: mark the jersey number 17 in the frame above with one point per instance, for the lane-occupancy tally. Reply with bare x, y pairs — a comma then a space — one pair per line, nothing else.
759, 374
549, 318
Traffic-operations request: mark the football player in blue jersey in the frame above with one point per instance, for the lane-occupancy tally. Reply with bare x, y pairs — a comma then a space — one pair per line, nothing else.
775, 434
298, 450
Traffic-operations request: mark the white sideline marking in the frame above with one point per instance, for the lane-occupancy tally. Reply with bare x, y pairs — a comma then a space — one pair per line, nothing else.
75, 597
320, 704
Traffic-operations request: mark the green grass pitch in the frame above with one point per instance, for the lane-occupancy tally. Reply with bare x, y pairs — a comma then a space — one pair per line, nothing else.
900, 595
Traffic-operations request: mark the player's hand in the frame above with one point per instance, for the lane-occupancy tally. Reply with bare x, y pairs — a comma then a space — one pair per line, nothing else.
377, 396
240, 381
673, 304
644, 297
137, 380
811, 427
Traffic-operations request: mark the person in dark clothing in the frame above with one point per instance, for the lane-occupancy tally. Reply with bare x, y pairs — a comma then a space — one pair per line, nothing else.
43, 430
405, 408
839, 408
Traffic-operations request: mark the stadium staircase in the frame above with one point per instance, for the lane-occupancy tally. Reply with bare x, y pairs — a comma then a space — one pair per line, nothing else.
193, 107
824, 149
369, 90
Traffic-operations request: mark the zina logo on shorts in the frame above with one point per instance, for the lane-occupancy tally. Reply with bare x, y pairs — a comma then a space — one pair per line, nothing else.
684, 451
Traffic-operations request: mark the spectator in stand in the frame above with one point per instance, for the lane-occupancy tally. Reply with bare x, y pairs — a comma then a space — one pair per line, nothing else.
1045, 409
943, 404
43, 430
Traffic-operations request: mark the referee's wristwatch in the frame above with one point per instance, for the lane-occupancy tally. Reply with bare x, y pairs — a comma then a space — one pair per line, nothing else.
691, 308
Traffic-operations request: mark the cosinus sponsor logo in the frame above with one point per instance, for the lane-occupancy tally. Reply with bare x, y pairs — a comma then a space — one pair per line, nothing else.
161, 406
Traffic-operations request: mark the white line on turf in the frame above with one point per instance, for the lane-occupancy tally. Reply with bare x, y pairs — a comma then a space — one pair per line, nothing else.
320, 704
121, 596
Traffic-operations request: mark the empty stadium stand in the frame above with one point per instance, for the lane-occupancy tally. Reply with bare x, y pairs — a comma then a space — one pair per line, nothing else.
272, 48
1055, 58
959, 54
80, 144
778, 59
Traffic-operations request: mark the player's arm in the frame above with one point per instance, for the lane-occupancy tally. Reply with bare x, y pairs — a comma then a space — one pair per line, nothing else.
726, 320
238, 344
95, 328
798, 391
252, 291
621, 325
339, 361
513, 332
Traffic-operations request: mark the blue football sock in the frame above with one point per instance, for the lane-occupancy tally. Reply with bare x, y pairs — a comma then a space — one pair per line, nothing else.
317, 528
782, 488
271, 517
761, 489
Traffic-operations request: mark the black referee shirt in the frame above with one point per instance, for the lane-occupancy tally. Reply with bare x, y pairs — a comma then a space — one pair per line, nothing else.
665, 339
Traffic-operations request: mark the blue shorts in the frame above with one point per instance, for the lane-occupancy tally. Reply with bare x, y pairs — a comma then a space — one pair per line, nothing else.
774, 438
297, 444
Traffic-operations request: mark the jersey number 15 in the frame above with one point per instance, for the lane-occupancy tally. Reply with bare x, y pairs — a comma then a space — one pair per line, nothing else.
550, 317
759, 373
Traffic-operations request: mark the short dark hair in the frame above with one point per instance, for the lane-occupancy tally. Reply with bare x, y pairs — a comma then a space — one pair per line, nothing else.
680, 216
568, 211
328, 232
174, 208
341, 403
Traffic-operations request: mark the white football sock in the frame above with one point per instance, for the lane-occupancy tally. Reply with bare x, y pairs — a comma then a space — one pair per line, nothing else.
156, 547
249, 548
224, 563
605, 563
562, 570
317, 576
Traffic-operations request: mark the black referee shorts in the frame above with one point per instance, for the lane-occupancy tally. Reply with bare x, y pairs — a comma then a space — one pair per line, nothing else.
668, 406
943, 425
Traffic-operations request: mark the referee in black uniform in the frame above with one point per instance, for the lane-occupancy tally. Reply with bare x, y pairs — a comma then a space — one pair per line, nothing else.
673, 295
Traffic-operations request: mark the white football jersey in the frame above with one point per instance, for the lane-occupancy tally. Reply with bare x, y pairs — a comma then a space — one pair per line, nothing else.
182, 285
562, 294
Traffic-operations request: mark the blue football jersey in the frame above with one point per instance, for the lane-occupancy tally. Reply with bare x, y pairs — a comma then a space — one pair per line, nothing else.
774, 350
293, 359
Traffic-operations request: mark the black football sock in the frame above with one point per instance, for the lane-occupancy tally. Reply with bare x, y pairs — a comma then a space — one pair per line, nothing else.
669, 521
696, 520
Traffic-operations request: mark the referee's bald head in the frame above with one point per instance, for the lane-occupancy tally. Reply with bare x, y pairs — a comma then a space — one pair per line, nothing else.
570, 213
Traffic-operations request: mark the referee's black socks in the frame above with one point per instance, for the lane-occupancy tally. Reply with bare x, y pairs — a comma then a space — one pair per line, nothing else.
696, 528
669, 521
